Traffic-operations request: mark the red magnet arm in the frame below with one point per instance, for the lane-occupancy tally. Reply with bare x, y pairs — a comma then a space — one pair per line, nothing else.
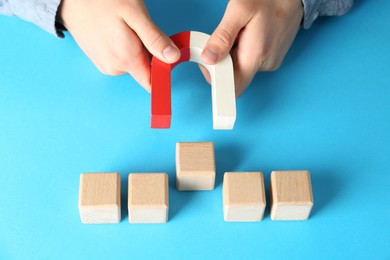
161, 82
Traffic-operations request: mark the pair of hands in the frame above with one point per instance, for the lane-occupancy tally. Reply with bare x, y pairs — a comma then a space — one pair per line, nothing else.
119, 36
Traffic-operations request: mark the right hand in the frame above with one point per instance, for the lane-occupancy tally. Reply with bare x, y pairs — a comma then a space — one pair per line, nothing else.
118, 36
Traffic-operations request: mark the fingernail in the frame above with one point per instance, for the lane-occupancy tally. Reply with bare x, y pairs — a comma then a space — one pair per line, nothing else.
211, 55
171, 53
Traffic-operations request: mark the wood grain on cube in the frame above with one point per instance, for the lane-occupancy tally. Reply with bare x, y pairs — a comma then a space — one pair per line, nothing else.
99, 198
195, 166
148, 200
243, 196
291, 195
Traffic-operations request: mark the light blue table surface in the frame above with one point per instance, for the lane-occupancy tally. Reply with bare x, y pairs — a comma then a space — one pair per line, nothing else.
327, 110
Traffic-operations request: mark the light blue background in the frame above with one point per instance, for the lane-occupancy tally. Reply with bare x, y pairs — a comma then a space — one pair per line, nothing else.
327, 109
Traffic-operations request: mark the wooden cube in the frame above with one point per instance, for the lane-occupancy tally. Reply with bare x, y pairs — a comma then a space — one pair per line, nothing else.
148, 198
243, 196
195, 166
99, 198
291, 195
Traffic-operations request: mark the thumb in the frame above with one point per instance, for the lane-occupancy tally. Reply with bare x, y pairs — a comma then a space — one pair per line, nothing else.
155, 41
224, 36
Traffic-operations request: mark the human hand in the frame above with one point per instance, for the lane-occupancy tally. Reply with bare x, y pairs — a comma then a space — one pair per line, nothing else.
257, 33
118, 36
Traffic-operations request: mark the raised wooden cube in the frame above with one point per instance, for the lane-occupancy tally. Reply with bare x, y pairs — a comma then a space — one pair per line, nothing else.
243, 196
148, 198
291, 195
99, 198
195, 166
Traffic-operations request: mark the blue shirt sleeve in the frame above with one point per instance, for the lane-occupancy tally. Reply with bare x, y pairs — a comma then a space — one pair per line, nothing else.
40, 12
314, 8
43, 12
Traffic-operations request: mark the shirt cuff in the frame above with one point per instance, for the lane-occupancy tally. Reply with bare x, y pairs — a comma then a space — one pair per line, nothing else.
314, 8
40, 12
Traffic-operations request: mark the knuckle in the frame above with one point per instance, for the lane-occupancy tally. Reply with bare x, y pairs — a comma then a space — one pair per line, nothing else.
242, 10
265, 59
127, 60
124, 62
275, 66
154, 38
266, 64
224, 38
129, 8
109, 71
107, 67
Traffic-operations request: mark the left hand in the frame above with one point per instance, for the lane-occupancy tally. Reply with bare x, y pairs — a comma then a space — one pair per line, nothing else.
257, 33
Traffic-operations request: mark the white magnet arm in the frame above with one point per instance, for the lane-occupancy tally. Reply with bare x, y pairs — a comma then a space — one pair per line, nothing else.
222, 83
